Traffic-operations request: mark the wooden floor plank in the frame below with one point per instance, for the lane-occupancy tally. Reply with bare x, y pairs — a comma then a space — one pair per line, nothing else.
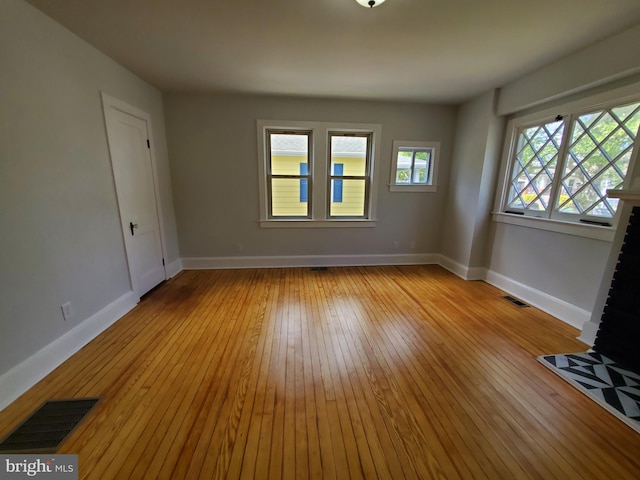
354, 372
501, 424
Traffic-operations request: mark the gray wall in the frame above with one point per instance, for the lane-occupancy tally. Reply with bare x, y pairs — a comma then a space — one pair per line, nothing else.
472, 182
567, 267
603, 62
60, 237
564, 266
214, 167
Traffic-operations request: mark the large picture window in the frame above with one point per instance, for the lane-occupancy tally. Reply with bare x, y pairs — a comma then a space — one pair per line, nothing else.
561, 167
317, 173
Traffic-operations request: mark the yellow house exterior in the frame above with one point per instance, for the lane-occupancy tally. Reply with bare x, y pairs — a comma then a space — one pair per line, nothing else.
286, 199
289, 196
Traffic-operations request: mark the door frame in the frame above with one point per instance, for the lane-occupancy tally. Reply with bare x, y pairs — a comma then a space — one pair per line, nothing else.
109, 102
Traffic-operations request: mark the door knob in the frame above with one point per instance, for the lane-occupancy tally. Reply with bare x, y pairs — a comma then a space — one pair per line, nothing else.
132, 226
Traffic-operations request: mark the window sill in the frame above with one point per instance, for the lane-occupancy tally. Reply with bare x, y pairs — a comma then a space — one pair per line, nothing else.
413, 188
596, 232
299, 223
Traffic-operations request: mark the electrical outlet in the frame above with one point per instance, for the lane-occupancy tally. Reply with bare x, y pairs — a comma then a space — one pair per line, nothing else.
67, 312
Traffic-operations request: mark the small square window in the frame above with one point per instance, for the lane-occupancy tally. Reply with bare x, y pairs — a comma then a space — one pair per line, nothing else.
414, 166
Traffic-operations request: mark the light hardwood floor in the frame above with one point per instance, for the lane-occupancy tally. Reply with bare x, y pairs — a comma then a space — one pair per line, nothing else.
376, 372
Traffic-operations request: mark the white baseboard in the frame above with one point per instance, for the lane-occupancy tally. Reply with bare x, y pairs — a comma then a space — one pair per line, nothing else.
204, 263
173, 268
26, 374
564, 311
464, 272
568, 313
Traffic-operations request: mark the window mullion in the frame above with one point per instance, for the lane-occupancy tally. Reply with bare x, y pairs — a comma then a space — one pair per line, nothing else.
275, 175
413, 165
269, 169
309, 176
634, 170
368, 172
556, 184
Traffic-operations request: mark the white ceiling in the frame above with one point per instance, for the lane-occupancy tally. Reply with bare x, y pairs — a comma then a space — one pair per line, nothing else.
416, 50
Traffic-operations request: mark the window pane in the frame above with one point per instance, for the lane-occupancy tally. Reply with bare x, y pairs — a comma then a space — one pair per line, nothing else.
534, 166
421, 168
351, 152
597, 160
286, 198
353, 196
348, 158
288, 151
403, 169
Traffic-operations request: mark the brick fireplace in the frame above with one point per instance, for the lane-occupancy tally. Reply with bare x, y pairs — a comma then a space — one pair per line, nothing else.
618, 336
615, 322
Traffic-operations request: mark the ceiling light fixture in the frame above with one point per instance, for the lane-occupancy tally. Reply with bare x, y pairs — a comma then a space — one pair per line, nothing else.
370, 3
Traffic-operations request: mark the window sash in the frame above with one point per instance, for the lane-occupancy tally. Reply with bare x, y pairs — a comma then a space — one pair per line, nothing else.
610, 135
534, 160
298, 179
334, 178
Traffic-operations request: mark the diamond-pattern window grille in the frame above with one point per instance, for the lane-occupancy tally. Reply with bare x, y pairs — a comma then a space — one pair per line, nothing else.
600, 148
536, 158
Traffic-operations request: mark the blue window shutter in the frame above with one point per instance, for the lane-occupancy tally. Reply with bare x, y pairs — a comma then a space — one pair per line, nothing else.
338, 170
304, 183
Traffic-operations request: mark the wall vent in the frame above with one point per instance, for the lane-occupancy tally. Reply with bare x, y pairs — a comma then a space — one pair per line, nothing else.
46, 428
515, 301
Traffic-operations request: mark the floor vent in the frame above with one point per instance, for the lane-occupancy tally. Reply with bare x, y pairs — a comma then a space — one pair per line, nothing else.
515, 301
46, 428
319, 269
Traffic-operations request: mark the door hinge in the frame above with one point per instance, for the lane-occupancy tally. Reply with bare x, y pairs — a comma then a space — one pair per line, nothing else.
163, 262
148, 144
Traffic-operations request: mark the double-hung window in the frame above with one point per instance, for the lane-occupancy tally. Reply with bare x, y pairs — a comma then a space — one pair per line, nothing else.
288, 173
559, 167
317, 173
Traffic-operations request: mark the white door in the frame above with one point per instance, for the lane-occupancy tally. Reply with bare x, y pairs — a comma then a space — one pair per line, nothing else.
133, 173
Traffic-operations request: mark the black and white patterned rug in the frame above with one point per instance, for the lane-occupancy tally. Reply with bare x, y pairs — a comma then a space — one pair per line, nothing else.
603, 380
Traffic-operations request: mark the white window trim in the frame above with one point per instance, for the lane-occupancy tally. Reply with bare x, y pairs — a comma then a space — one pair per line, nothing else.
398, 187
319, 156
597, 232
544, 222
